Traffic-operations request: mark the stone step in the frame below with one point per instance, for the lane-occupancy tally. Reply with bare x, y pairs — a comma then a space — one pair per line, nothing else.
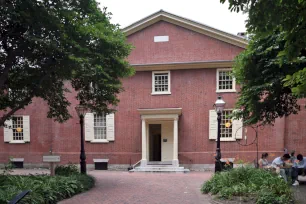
161, 166
159, 163
159, 169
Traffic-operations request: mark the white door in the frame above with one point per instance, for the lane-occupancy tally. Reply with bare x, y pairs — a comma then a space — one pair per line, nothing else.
167, 141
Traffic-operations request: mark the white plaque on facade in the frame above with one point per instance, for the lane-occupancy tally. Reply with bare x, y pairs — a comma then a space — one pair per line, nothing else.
51, 158
161, 38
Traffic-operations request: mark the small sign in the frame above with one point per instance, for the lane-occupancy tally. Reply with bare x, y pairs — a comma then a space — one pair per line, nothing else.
51, 158
19, 129
164, 140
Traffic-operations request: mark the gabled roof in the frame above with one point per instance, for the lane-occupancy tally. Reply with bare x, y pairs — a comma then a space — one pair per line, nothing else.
186, 23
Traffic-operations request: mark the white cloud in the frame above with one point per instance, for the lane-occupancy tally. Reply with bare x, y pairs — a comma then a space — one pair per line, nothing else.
209, 12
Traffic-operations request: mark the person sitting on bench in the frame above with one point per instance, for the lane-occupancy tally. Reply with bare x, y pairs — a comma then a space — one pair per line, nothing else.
299, 168
263, 162
280, 163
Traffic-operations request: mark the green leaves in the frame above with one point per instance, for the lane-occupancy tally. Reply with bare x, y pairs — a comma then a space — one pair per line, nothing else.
248, 182
46, 44
264, 95
272, 69
44, 189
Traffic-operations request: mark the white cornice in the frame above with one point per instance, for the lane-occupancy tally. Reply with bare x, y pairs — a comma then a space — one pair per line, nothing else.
182, 65
160, 111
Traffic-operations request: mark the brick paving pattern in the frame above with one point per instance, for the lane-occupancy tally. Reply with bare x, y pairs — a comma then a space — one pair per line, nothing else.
146, 188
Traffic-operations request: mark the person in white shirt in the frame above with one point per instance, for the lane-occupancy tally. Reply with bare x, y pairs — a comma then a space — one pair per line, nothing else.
284, 168
299, 168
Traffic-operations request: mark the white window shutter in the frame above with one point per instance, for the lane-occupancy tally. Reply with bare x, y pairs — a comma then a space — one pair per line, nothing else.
213, 124
89, 127
8, 131
26, 128
237, 129
110, 127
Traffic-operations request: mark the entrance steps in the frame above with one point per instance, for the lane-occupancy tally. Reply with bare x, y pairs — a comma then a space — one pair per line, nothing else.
160, 168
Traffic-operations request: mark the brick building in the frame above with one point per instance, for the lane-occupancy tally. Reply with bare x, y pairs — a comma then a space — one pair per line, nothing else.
166, 113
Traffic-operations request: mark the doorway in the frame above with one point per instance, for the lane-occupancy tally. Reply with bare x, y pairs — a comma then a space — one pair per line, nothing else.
154, 142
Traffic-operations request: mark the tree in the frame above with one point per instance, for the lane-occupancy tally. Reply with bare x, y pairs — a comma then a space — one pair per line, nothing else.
44, 43
263, 95
272, 70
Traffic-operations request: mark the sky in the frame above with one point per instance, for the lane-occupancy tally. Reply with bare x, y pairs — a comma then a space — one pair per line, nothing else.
208, 12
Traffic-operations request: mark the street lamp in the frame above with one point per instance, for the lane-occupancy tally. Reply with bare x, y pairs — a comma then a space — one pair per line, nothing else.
81, 110
219, 106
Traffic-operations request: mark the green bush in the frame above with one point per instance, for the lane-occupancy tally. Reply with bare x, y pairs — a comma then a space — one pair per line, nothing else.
66, 170
44, 189
264, 186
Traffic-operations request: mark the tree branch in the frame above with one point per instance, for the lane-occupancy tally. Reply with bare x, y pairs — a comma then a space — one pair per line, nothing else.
12, 111
27, 100
8, 65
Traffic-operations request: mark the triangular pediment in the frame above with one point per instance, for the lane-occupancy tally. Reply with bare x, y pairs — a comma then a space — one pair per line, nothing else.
186, 23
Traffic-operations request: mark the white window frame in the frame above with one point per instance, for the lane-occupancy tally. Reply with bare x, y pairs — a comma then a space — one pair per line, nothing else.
217, 81
232, 138
12, 139
90, 128
104, 139
153, 83
26, 135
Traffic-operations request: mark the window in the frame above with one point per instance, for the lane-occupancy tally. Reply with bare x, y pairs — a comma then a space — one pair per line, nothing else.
17, 128
99, 126
226, 132
161, 82
225, 82
230, 133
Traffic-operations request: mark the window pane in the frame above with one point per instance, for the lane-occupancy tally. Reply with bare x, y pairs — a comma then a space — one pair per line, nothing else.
226, 132
225, 80
161, 82
100, 126
17, 128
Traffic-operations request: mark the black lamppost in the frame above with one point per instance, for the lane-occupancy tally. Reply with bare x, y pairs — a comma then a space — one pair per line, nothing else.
81, 110
219, 106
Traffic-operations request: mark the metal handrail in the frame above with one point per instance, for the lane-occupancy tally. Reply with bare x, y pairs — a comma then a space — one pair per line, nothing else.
19, 197
133, 166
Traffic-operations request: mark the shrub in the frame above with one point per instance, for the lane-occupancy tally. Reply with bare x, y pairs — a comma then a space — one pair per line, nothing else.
44, 189
66, 170
265, 186
8, 167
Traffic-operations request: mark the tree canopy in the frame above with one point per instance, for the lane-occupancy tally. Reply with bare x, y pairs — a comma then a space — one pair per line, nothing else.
45, 43
272, 70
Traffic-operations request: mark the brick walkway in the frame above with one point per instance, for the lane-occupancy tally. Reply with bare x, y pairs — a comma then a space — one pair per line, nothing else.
145, 188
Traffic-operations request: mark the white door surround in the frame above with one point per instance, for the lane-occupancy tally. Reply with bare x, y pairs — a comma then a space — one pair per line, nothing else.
159, 116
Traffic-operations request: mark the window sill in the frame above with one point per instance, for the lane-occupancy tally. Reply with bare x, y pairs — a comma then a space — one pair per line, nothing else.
99, 141
226, 91
227, 140
161, 93
17, 142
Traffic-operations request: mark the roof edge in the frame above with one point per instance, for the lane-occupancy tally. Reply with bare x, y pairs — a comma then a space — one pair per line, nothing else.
186, 23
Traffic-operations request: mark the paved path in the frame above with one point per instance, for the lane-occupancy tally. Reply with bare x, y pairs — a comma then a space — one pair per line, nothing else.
144, 188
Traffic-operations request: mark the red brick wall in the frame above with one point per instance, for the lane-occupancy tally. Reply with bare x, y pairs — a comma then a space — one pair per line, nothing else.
41, 135
184, 46
192, 90
295, 130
